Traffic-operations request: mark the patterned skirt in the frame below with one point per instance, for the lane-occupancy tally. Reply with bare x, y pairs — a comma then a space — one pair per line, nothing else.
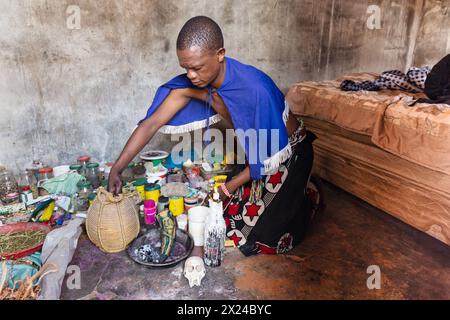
276, 220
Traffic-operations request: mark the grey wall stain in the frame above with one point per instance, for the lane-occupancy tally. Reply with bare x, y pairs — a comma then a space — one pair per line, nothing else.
70, 92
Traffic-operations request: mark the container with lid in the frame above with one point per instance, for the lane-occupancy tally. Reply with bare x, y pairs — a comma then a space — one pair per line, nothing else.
91, 198
176, 205
84, 160
12, 198
9, 190
140, 187
27, 178
34, 168
93, 174
152, 191
127, 173
84, 190
26, 195
45, 174
190, 203
163, 203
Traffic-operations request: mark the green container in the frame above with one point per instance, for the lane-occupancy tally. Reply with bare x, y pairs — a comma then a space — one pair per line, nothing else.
140, 182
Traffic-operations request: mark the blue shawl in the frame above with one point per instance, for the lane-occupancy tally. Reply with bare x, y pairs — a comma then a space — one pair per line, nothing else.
253, 101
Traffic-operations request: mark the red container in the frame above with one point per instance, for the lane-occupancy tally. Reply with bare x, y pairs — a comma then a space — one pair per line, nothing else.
23, 226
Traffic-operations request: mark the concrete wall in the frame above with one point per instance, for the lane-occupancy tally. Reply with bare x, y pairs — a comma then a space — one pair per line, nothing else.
69, 92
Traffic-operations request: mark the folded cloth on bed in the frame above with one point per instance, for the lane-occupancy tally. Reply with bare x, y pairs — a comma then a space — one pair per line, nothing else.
413, 81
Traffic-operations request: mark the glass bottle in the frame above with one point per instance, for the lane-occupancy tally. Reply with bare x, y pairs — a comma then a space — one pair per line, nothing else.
127, 173
93, 174
84, 190
84, 160
9, 189
34, 168
215, 233
27, 178
45, 173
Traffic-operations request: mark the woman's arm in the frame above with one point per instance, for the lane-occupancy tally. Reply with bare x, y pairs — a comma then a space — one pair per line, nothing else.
242, 178
174, 102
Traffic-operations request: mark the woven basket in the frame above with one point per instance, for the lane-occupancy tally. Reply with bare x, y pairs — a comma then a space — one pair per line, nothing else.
112, 222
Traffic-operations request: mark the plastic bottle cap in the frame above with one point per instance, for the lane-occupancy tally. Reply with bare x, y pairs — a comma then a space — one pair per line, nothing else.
26, 188
92, 165
163, 199
12, 195
84, 158
152, 186
46, 170
75, 167
84, 184
139, 182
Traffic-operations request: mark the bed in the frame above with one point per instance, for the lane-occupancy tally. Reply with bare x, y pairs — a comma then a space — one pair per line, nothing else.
377, 147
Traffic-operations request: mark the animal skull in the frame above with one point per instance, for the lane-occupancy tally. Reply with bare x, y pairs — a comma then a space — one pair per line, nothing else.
194, 270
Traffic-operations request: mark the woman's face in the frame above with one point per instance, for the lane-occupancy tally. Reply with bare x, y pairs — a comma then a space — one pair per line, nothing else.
203, 67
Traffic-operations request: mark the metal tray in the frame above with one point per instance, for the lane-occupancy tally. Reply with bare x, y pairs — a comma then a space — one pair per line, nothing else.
182, 248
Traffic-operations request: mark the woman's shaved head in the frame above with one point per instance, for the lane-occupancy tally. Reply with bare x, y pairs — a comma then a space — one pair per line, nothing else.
201, 32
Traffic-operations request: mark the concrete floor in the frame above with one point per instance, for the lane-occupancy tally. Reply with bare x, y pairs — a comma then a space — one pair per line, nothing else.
331, 263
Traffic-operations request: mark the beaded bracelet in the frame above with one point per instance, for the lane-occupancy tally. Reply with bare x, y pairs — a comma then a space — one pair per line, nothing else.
225, 190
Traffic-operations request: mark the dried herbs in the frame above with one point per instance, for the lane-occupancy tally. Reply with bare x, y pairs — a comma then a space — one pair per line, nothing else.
14, 241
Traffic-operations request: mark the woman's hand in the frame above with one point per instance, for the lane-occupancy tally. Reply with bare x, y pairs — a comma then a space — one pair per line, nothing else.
222, 195
114, 182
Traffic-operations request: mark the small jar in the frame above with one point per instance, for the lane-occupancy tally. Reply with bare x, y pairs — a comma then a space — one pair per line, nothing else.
139, 170
84, 190
140, 187
163, 203
84, 160
93, 174
176, 205
45, 173
152, 191
12, 198
127, 173
27, 178
9, 189
26, 195
34, 168
91, 198
190, 203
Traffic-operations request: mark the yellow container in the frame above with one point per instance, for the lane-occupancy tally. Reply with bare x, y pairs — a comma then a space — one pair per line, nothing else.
152, 192
140, 187
219, 179
176, 205
141, 191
